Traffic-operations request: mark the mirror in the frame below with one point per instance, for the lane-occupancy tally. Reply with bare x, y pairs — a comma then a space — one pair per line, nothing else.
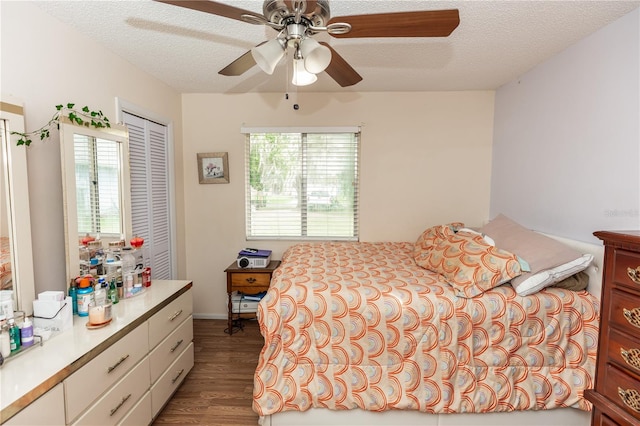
96, 188
16, 258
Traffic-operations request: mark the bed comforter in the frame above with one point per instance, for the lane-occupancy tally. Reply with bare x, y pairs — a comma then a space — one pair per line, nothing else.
360, 325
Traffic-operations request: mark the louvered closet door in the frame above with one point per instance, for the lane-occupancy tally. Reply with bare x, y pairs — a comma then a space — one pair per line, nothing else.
150, 196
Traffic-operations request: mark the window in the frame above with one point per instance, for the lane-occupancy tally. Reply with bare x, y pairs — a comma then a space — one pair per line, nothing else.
302, 184
98, 196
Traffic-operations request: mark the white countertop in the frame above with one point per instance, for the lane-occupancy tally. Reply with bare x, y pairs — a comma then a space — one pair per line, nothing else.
31, 374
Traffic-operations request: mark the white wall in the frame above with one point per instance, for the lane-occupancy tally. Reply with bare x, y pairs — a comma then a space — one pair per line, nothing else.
566, 153
46, 63
425, 160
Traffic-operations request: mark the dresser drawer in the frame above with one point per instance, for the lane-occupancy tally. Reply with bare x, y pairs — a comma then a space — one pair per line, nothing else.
117, 402
170, 348
140, 414
169, 317
626, 262
615, 382
171, 379
86, 384
624, 312
624, 351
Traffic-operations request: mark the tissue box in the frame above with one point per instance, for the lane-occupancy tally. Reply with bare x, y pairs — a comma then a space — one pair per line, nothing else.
57, 296
47, 317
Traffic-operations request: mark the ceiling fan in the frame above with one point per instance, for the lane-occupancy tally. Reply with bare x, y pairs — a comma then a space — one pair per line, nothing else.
298, 20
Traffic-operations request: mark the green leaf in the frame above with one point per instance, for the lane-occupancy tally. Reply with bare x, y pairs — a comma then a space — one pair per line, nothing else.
70, 106
59, 107
85, 109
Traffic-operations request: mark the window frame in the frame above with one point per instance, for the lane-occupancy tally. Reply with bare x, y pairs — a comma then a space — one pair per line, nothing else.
303, 207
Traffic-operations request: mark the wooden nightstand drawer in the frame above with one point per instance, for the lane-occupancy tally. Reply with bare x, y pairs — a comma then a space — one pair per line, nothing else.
626, 263
625, 312
250, 280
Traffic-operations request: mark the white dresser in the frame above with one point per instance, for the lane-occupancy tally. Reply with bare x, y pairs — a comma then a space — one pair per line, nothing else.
123, 373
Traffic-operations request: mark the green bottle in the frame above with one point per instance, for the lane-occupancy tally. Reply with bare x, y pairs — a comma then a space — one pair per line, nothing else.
112, 294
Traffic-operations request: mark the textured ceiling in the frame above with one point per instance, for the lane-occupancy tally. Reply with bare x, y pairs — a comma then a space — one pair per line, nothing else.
495, 42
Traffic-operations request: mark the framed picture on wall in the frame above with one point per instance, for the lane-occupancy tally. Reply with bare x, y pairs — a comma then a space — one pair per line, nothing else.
213, 167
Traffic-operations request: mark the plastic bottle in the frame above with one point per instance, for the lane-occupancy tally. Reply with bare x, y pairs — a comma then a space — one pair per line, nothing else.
85, 296
100, 295
73, 293
128, 269
26, 333
5, 342
14, 335
112, 294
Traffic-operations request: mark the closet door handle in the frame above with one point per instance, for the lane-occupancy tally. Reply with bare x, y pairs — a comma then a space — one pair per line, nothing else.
630, 398
251, 280
631, 357
634, 274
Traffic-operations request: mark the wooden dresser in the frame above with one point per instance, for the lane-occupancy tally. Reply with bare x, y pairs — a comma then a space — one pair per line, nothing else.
616, 397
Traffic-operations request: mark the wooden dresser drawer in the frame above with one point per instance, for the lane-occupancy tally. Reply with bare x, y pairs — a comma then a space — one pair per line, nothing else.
170, 348
171, 379
623, 262
169, 317
616, 381
117, 402
624, 351
86, 384
624, 313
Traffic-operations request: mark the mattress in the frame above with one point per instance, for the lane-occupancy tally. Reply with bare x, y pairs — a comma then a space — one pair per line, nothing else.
360, 325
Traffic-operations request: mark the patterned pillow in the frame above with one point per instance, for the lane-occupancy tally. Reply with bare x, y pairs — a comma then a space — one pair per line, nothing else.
467, 262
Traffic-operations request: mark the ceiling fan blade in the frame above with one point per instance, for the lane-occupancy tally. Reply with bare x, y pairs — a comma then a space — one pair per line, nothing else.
310, 6
214, 8
241, 65
340, 70
428, 23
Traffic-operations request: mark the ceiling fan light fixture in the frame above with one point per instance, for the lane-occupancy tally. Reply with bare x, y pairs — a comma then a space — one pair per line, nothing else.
268, 55
301, 77
316, 56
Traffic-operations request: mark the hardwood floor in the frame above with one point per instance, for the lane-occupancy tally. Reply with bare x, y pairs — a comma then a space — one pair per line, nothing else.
218, 390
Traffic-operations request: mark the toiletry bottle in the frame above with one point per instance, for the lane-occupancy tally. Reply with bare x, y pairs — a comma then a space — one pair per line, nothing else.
73, 293
14, 335
112, 295
26, 333
100, 292
85, 296
5, 342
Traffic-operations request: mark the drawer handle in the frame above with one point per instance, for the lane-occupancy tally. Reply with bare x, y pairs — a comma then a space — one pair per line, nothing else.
634, 274
124, 399
113, 367
177, 377
175, 315
633, 316
631, 357
177, 344
251, 280
630, 398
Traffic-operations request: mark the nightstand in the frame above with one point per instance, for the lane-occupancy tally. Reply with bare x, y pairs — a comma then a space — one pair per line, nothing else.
248, 281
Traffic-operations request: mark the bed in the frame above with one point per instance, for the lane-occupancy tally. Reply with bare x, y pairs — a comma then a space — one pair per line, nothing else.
363, 333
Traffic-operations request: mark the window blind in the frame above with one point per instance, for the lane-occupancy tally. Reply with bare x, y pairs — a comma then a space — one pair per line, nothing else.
97, 191
302, 185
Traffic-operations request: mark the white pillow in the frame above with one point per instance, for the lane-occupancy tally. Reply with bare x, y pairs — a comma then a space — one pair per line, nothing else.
551, 276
